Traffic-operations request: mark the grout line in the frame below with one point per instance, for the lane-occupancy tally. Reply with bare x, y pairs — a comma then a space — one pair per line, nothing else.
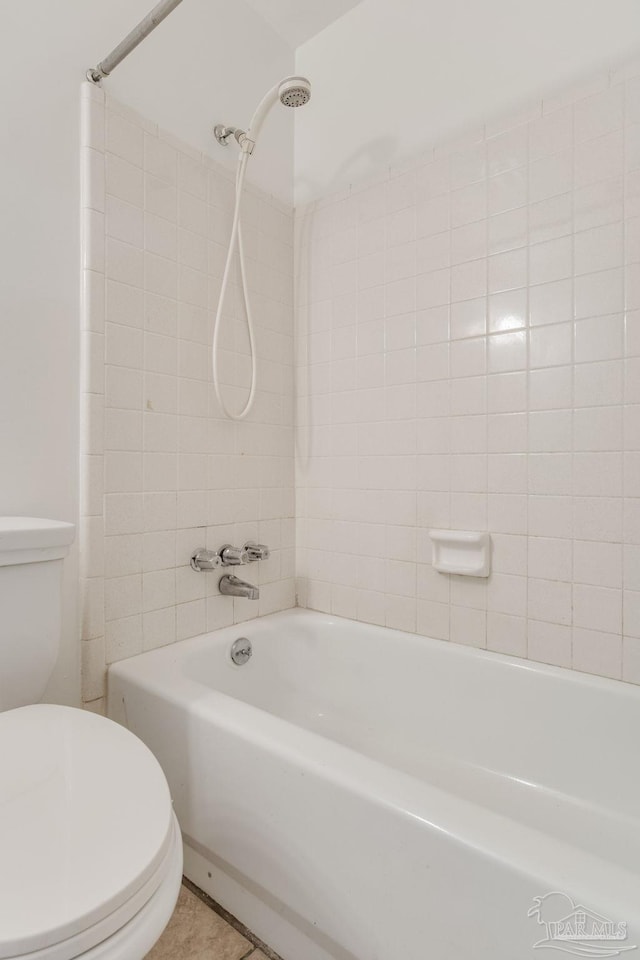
572, 450
257, 943
527, 379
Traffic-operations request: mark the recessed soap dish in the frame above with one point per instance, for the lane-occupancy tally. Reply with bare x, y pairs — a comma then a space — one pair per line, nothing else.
463, 552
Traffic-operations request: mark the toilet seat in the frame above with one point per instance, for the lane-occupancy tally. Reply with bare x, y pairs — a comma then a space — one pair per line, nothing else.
137, 936
87, 833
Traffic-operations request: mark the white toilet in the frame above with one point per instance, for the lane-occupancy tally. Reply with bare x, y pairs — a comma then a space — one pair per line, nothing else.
90, 849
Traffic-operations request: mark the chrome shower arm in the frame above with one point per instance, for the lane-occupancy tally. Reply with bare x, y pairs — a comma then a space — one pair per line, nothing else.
131, 41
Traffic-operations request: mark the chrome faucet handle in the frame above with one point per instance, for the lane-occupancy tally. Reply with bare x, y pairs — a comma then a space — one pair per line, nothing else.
232, 556
256, 551
205, 560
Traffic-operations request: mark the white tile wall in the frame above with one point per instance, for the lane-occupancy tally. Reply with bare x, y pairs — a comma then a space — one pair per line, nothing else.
162, 472
469, 357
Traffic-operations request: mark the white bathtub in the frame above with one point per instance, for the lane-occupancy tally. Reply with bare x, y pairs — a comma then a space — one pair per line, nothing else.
356, 792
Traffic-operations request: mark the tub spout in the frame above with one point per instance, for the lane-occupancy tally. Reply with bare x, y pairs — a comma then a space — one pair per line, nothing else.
232, 586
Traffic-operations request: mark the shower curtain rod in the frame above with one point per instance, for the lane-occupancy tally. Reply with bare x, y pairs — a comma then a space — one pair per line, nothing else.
131, 41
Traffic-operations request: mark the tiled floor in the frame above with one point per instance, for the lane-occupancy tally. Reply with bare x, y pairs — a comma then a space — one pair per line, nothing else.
196, 932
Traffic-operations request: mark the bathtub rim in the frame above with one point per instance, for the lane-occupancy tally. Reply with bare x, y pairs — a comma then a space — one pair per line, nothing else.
624, 688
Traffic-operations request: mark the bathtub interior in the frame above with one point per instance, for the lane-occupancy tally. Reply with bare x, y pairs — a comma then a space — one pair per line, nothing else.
547, 747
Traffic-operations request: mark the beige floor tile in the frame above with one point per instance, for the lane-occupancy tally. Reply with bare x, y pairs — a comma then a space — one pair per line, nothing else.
195, 932
257, 955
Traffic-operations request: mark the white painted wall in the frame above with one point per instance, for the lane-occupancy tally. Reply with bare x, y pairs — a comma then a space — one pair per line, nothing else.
393, 77
185, 76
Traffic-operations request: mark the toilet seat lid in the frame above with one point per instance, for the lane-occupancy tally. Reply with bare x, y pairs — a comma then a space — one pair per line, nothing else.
85, 821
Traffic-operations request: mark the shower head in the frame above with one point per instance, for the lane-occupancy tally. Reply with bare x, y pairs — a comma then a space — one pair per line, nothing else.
294, 92
291, 92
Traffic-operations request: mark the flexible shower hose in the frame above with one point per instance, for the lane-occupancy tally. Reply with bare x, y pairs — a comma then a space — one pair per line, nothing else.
236, 236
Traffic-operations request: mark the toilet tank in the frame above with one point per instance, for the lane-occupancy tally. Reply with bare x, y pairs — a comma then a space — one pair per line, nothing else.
31, 555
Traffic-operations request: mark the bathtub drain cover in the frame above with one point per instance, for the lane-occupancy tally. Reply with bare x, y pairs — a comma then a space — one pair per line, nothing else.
241, 650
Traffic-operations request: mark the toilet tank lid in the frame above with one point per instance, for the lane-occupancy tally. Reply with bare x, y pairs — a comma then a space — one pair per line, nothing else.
25, 539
